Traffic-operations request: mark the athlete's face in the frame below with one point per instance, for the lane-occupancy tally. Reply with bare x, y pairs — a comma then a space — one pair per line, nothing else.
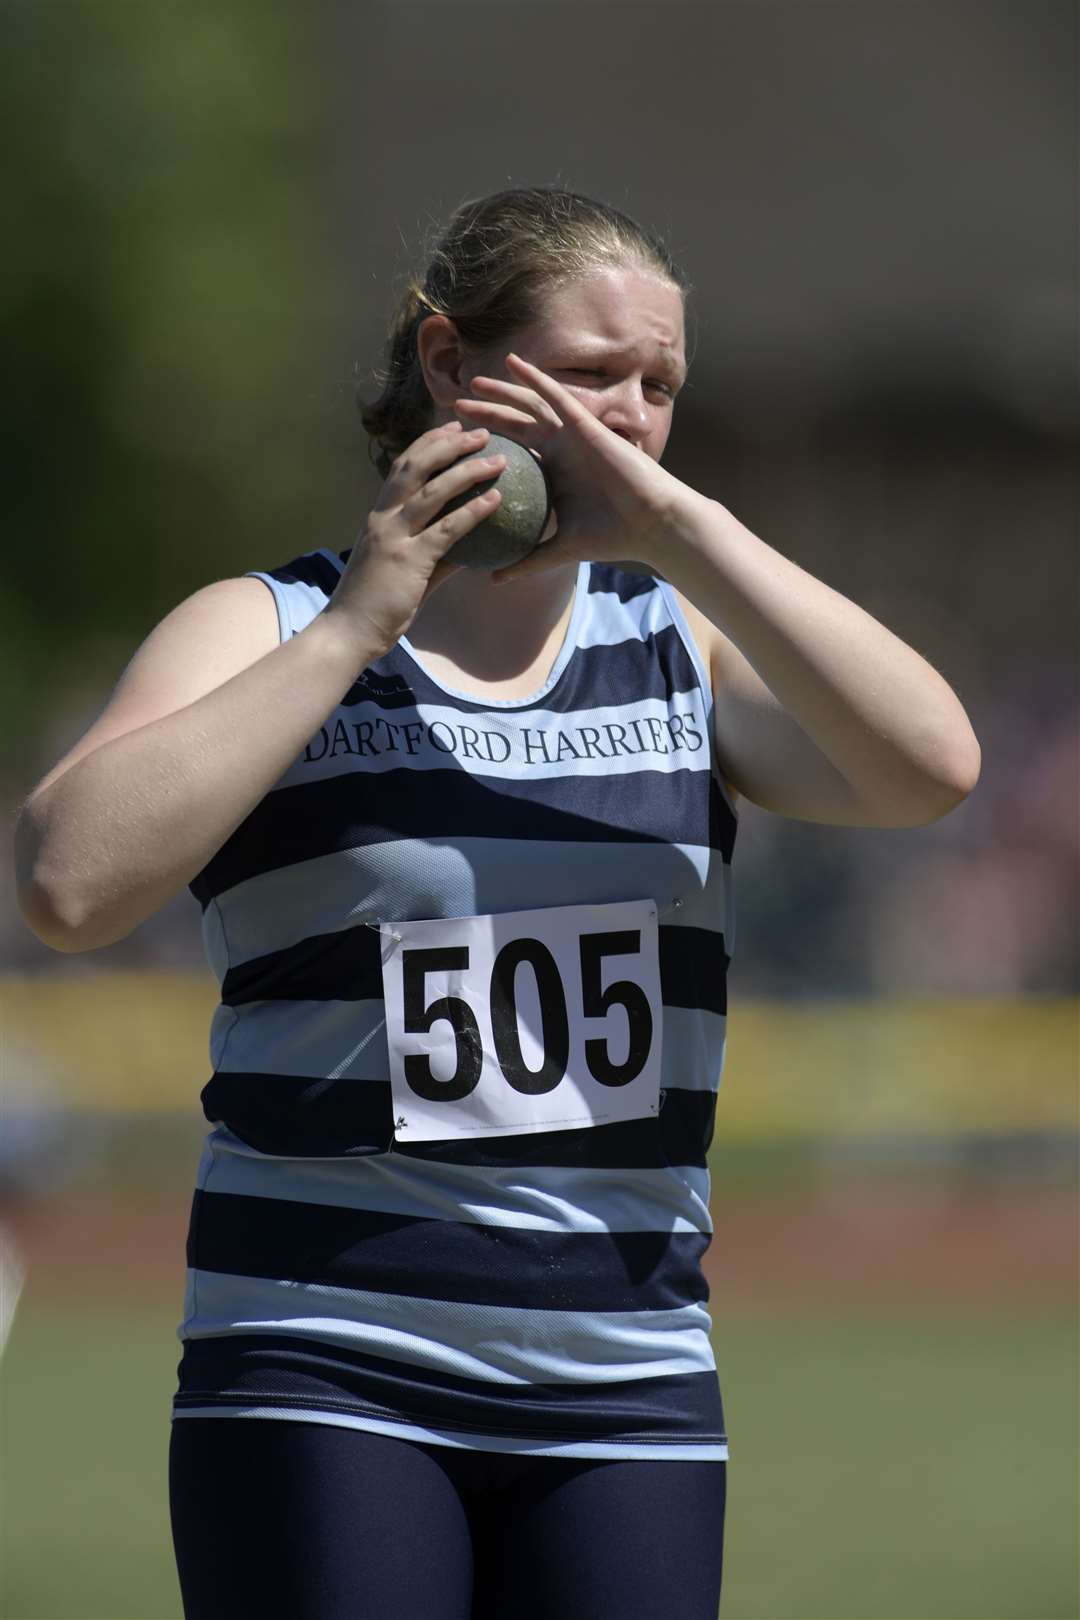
616, 340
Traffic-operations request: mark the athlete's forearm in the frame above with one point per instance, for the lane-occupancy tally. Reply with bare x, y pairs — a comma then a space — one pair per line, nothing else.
123, 830
878, 711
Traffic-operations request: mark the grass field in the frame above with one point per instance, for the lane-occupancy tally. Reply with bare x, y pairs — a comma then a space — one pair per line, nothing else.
894, 1288
900, 1455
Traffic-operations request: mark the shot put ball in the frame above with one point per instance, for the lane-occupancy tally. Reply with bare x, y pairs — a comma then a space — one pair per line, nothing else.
515, 526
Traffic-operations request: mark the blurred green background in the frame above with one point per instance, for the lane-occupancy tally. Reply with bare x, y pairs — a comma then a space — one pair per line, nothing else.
209, 212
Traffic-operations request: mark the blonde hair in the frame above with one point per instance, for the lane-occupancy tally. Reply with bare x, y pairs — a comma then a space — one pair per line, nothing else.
489, 272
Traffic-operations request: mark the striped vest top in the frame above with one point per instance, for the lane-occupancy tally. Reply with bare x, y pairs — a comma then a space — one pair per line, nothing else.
542, 1292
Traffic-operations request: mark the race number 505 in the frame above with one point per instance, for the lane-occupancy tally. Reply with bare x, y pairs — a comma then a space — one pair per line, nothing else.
485, 1027
554, 1032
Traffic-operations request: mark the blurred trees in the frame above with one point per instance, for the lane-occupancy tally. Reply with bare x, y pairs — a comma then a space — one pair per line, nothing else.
161, 293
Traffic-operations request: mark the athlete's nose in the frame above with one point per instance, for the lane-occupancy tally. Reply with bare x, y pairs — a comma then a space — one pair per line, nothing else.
626, 413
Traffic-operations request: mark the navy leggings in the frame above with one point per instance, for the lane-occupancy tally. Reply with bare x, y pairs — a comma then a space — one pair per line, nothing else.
285, 1520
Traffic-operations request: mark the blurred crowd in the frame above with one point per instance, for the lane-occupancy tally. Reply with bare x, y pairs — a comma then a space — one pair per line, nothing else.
983, 902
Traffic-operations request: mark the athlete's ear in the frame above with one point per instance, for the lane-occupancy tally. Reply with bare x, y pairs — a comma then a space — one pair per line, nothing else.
442, 359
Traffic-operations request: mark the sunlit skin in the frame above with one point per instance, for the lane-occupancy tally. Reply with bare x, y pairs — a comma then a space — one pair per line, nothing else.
820, 711
615, 344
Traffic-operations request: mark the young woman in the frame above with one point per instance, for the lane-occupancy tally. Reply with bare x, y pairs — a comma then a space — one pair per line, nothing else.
462, 844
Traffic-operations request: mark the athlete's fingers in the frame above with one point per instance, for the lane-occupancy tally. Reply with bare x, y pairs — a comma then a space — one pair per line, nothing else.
452, 525
527, 399
559, 400
495, 416
420, 508
430, 453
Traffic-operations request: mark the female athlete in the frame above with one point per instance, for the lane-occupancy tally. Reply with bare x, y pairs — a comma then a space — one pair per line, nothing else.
462, 843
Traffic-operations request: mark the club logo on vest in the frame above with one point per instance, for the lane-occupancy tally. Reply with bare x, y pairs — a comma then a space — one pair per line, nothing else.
371, 686
525, 745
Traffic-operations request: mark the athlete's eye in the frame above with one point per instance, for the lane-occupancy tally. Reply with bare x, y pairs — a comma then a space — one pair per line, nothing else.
592, 371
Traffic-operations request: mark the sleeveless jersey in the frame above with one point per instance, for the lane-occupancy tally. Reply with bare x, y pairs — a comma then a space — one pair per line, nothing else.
539, 1293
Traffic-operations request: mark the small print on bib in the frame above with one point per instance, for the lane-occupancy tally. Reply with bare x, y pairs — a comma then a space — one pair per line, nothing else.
546, 1020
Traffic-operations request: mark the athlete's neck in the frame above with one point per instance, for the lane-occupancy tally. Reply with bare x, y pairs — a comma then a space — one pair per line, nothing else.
495, 632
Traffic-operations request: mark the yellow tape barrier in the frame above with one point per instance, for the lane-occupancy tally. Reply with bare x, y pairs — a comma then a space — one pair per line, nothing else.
119, 1042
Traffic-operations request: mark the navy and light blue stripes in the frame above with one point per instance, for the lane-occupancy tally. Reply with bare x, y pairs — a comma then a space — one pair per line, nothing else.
327, 816
323, 1117
466, 1262
345, 966
540, 1292
253, 1365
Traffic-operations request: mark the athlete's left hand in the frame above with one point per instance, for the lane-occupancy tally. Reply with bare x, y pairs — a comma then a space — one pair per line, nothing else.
610, 499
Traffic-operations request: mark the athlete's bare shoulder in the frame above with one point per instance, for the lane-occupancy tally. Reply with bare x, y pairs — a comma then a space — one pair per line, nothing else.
203, 642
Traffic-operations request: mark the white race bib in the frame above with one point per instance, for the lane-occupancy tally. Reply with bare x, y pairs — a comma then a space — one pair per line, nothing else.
523, 1021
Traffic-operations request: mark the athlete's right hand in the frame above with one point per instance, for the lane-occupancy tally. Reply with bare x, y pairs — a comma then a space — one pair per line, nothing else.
397, 560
